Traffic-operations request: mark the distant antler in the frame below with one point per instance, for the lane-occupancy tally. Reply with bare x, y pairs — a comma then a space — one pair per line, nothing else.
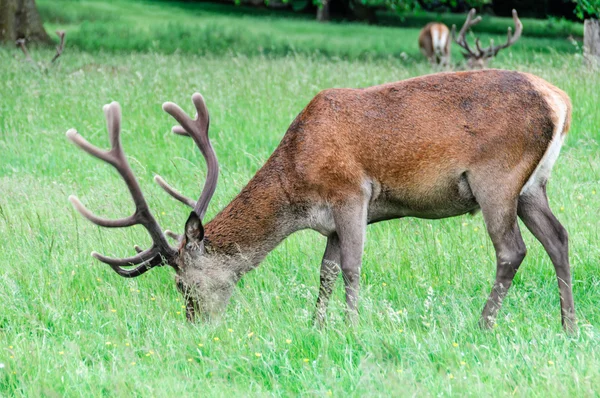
21, 44
469, 23
59, 50
511, 38
481, 55
61, 46
160, 251
197, 129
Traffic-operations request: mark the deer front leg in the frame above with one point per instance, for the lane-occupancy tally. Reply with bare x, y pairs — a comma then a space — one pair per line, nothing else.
330, 269
351, 223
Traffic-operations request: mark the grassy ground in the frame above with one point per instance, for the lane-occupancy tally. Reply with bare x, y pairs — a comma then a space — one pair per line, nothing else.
70, 327
168, 27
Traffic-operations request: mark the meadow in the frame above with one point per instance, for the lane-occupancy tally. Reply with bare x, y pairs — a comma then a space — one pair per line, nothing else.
69, 326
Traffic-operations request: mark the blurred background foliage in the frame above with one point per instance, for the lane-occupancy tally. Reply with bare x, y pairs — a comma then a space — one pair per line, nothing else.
367, 9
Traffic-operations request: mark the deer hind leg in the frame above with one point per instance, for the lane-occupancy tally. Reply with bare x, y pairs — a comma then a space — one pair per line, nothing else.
351, 223
330, 269
501, 221
535, 212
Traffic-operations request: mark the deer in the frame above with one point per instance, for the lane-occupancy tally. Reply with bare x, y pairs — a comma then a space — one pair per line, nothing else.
434, 43
478, 58
430, 147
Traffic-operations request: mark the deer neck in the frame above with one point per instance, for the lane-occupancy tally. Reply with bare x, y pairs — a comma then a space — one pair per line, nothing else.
254, 223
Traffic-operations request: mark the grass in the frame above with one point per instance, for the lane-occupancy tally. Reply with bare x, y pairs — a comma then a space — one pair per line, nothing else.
198, 28
70, 327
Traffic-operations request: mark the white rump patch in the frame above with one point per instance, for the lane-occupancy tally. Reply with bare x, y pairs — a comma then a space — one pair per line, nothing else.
542, 172
439, 40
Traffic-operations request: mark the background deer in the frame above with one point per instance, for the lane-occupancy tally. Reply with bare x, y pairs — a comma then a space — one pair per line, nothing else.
431, 147
478, 58
434, 43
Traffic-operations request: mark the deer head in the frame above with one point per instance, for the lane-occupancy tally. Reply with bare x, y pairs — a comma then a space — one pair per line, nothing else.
478, 59
203, 279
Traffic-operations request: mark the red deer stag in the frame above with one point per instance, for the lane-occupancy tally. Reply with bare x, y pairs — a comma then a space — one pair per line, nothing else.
434, 43
431, 147
479, 58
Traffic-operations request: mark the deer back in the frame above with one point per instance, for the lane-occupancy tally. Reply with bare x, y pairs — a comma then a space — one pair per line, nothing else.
415, 136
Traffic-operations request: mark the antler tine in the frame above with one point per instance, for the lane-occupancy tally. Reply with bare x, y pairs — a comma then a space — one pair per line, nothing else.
21, 44
160, 249
511, 37
198, 130
173, 235
461, 40
61, 46
174, 193
141, 257
155, 261
101, 221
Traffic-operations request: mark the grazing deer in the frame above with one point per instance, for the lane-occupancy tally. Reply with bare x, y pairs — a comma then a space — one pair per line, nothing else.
434, 43
431, 147
478, 59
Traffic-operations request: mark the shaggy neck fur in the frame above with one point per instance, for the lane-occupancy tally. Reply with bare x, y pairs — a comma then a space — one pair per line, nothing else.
253, 224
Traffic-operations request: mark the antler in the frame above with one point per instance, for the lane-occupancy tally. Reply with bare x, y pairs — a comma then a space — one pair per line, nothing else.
21, 43
61, 46
160, 251
197, 129
511, 38
491, 51
461, 40
59, 49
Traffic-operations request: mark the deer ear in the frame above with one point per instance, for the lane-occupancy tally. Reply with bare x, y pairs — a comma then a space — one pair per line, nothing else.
194, 231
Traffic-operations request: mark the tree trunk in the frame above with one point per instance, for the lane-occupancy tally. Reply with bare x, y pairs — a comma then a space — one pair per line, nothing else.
20, 19
591, 41
323, 12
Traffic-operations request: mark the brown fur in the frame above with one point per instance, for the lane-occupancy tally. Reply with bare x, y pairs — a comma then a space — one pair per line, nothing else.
432, 147
415, 137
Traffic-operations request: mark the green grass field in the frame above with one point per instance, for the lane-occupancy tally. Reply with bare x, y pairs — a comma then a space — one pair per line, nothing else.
69, 326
